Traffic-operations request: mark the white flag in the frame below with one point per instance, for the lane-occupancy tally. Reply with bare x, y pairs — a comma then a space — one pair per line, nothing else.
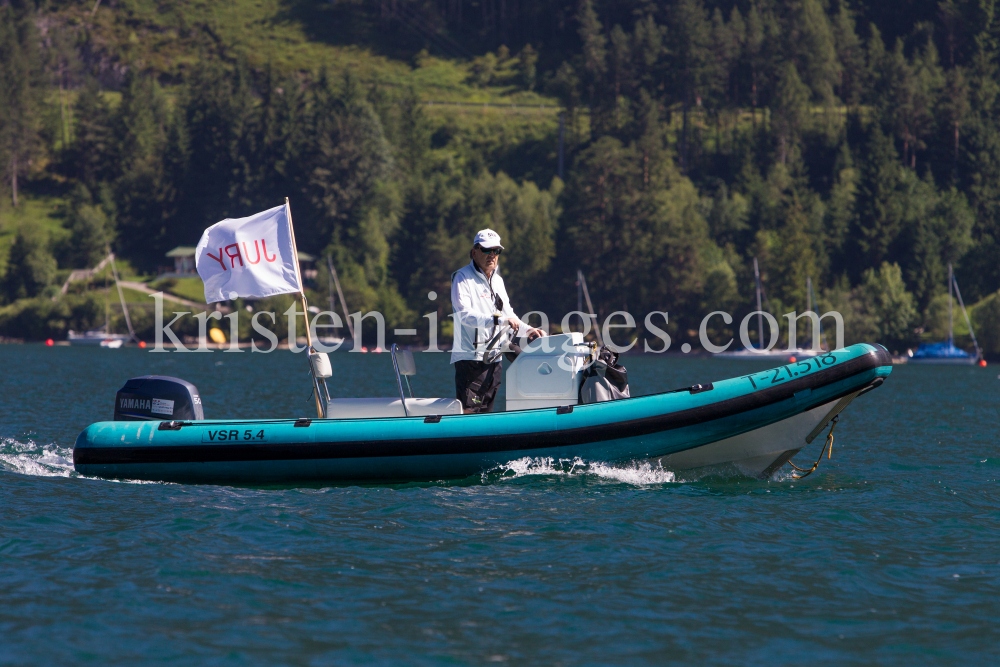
249, 257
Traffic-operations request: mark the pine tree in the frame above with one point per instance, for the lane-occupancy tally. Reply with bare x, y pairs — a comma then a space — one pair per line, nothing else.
565, 87
906, 92
141, 124
850, 55
840, 206
793, 256
811, 40
753, 52
648, 47
877, 67
722, 55
92, 156
941, 235
414, 135
928, 83
280, 136
354, 199
218, 118
20, 93
593, 63
527, 61
880, 211
791, 108
689, 49
621, 72
603, 211
952, 112
737, 40
63, 67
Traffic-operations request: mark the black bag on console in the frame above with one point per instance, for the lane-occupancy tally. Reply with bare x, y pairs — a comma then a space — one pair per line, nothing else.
605, 380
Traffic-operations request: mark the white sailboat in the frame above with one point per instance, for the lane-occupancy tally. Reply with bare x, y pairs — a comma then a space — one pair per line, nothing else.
774, 353
333, 281
102, 336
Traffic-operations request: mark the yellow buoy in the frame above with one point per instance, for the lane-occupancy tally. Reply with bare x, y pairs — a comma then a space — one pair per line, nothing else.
217, 336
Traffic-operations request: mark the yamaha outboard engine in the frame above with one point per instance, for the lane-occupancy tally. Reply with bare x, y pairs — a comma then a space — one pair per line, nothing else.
156, 398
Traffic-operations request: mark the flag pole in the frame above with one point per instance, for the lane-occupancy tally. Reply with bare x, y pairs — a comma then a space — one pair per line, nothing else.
305, 305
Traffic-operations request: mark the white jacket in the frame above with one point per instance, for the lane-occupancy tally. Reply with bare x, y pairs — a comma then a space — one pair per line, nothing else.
472, 299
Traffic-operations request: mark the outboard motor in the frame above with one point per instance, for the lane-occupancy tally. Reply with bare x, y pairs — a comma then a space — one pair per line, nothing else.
158, 398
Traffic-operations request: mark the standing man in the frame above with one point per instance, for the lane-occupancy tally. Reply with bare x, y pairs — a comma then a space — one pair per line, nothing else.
482, 307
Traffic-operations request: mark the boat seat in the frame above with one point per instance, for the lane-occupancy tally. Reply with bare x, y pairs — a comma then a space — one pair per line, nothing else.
371, 408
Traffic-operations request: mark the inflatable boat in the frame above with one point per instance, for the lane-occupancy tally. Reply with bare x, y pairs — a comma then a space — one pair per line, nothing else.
753, 423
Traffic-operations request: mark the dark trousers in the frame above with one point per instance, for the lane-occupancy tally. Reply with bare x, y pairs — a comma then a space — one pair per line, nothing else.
476, 384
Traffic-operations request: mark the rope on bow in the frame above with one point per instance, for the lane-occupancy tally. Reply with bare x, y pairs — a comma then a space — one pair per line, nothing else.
828, 448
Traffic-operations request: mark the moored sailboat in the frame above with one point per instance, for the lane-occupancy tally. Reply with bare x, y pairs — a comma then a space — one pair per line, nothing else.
946, 352
102, 336
774, 353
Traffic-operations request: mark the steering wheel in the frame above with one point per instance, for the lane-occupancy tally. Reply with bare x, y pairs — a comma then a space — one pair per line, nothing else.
494, 346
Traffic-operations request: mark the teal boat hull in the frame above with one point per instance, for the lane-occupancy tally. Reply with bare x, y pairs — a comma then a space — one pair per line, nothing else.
458, 446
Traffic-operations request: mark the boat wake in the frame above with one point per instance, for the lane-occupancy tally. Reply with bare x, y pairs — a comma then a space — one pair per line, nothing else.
30, 458
636, 474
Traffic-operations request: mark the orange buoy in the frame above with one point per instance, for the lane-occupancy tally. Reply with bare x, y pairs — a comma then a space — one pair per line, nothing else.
50, 342
142, 344
791, 360
982, 363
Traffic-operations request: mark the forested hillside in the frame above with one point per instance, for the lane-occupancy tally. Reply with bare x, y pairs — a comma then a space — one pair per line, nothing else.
853, 143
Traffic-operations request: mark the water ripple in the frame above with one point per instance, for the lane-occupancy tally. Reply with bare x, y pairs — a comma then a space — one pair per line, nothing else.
888, 554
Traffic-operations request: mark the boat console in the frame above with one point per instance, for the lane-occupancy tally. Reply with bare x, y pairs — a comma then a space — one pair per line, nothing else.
547, 373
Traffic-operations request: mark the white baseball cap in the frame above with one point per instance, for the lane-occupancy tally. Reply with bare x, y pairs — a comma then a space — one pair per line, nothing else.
487, 238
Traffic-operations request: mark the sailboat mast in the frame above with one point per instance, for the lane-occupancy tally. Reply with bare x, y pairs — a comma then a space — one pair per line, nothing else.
340, 293
760, 316
590, 306
329, 287
958, 293
951, 281
121, 297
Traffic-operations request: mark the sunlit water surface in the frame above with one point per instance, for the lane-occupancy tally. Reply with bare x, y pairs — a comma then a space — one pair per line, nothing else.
889, 554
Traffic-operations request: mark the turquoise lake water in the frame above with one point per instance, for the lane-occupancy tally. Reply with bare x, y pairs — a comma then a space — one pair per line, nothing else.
888, 554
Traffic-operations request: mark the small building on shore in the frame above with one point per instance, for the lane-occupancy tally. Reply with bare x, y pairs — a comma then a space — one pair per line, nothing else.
183, 256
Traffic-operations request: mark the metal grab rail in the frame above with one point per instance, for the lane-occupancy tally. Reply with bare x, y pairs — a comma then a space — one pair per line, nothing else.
399, 381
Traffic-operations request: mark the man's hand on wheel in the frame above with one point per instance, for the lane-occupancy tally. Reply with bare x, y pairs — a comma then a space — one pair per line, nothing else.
513, 324
535, 333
